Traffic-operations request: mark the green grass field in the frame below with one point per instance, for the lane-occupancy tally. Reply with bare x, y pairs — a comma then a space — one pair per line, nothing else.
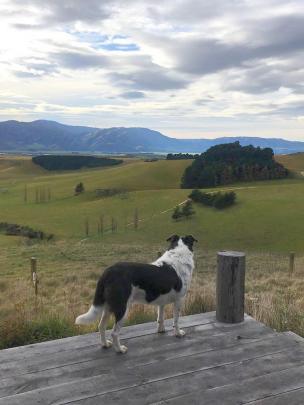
268, 215
268, 219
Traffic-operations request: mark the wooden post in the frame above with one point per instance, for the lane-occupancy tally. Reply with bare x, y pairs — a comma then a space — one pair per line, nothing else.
136, 218
230, 287
33, 266
291, 262
34, 274
25, 194
101, 224
87, 226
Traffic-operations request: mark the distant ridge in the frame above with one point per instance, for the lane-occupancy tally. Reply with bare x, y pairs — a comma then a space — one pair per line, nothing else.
43, 135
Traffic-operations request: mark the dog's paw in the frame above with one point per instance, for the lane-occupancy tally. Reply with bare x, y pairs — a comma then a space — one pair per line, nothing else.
180, 333
107, 344
122, 349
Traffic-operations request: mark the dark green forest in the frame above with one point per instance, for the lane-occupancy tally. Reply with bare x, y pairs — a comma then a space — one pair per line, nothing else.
73, 162
230, 163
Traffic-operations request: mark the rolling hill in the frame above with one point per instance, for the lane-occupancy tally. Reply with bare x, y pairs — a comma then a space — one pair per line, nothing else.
51, 136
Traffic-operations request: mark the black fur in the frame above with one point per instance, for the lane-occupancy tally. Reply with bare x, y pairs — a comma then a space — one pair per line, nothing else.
189, 240
115, 285
173, 241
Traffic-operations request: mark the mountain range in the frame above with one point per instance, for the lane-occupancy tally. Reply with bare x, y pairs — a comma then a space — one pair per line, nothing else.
51, 136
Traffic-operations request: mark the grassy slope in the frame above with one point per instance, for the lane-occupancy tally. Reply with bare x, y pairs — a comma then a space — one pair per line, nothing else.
268, 216
294, 162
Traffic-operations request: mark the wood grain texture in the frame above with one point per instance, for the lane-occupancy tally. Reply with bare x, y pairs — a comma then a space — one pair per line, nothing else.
230, 287
216, 363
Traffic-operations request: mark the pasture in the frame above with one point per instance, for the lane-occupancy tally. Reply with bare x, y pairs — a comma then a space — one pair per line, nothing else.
267, 223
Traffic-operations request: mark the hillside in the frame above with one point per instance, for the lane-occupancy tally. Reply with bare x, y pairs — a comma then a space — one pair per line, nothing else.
293, 162
50, 136
263, 211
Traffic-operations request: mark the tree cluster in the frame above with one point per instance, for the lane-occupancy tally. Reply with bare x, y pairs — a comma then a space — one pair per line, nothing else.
231, 162
181, 156
184, 211
217, 200
73, 162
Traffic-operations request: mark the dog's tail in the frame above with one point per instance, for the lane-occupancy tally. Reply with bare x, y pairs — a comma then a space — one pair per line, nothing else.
90, 316
96, 308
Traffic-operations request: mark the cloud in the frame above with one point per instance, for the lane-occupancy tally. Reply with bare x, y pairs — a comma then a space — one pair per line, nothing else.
199, 61
65, 12
78, 60
155, 79
132, 95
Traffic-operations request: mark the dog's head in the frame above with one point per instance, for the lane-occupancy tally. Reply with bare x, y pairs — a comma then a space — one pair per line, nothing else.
188, 240
173, 239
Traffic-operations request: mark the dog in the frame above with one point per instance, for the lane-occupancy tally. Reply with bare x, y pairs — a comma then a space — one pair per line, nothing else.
162, 282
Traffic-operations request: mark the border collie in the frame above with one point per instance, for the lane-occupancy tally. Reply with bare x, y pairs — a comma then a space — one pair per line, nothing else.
160, 283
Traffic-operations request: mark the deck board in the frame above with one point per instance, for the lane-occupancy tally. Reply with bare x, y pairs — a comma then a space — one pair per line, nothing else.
214, 363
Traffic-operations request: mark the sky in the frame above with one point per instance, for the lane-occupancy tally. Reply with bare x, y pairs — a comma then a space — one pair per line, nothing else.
187, 68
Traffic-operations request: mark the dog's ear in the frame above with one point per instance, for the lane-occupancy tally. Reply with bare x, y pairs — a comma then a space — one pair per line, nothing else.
191, 238
173, 238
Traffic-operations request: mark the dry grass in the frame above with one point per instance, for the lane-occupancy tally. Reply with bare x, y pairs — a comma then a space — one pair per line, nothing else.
67, 280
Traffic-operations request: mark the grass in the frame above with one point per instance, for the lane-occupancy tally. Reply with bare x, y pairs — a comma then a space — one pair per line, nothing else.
294, 162
267, 222
273, 296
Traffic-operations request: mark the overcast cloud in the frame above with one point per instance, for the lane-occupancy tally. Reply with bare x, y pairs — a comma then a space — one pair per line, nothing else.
189, 68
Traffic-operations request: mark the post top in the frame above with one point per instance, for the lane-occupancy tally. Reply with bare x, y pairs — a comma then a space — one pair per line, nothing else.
231, 253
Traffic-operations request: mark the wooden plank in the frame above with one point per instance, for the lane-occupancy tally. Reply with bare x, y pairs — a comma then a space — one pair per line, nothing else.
247, 391
73, 342
292, 397
158, 354
138, 346
153, 382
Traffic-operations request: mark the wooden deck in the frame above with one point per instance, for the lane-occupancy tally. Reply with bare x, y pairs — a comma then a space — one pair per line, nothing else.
214, 363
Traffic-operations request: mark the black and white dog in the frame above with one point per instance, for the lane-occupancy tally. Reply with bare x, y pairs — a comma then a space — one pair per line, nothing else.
160, 283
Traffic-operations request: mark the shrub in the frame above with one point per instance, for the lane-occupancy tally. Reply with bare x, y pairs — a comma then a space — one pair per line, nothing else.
177, 214
187, 210
218, 200
223, 200
79, 188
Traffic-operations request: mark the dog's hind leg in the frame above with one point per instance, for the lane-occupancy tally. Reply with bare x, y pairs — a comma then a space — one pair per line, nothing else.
115, 332
102, 328
160, 319
176, 312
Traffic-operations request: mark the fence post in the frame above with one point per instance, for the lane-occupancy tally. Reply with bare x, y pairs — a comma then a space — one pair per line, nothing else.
86, 226
291, 262
230, 287
34, 274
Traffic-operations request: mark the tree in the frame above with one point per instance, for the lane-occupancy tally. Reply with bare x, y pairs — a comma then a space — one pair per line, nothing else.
227, 163
79, 188
177, 214
187, 210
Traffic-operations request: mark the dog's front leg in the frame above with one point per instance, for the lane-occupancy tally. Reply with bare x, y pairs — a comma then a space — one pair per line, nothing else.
176, 311
160, 319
